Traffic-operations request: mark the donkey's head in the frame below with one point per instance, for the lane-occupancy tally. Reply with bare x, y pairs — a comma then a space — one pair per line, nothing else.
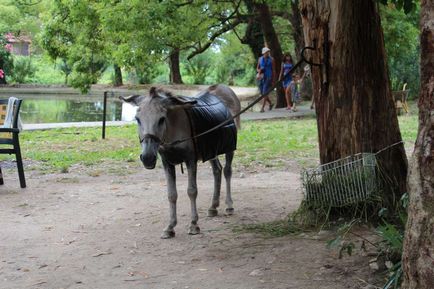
151, 116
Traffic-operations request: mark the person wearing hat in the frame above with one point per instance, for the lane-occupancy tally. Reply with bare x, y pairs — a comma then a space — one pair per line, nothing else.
266, 75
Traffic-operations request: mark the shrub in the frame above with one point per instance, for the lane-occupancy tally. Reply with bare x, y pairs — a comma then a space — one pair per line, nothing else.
23, 69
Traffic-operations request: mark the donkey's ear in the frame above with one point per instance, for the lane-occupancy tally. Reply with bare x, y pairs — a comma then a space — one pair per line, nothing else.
182, 100
177, 102
153, 92
133, 99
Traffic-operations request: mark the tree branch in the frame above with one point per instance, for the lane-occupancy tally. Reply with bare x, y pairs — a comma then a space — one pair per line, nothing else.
225, 28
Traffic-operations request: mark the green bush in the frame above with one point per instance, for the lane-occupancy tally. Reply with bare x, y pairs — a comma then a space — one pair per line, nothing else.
47, 71
23, 70
6, 61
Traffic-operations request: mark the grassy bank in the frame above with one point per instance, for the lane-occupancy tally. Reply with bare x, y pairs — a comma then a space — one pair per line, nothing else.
261, 143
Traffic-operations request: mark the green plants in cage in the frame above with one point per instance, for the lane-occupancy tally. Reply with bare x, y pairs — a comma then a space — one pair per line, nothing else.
341, 183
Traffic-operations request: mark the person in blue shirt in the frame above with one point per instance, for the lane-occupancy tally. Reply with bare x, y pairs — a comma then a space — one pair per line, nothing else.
287, 78
266, 75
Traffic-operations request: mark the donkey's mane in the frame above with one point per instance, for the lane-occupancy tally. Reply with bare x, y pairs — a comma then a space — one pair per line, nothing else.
155, 91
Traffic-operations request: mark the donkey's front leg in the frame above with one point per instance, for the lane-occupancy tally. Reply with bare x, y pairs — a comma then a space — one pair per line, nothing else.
228, 176
169, 170
192, 194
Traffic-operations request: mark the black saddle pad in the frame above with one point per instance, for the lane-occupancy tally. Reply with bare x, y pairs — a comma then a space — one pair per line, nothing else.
207, 113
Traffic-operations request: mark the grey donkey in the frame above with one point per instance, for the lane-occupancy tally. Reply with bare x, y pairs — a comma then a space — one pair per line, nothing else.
166, 124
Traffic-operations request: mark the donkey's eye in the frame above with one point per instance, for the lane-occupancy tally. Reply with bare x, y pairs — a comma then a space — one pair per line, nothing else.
161, 120
138, 120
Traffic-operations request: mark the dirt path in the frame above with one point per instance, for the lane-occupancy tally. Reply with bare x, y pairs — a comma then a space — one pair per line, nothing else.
78, 231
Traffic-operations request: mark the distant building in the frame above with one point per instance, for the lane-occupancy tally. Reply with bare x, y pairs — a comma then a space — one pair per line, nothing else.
20, 44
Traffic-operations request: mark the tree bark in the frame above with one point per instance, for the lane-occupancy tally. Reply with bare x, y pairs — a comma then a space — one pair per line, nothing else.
253, 37
418, 254
297, 28
118, 76
273, 43
175, 72
354, 105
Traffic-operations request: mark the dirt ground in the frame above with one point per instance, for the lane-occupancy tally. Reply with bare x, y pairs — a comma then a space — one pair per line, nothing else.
101, 229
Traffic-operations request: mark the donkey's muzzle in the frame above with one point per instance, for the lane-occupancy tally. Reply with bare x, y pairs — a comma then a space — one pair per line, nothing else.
148, 160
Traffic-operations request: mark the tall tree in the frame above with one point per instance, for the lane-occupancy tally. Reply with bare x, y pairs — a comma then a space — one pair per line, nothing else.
253, 36
163, 29
72, 32
272, 41
118, 75
354, 106
418, 255
297, 27
175, 70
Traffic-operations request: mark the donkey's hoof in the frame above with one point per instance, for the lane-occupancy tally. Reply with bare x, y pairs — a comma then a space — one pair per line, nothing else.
229, 211
168, 234
194, 230
212, 212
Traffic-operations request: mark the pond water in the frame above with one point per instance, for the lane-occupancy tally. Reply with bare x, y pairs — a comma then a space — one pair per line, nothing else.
72, 108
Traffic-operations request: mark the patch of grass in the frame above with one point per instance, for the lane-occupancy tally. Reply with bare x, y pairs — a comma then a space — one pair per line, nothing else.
408, 124
269, 142
273, 229
59, 149
68, 180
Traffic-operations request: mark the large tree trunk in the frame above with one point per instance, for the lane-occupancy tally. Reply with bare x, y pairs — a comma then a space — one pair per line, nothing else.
418, 255
273, 43
297, 29
175, 72
354, 105
253, 37
118, 76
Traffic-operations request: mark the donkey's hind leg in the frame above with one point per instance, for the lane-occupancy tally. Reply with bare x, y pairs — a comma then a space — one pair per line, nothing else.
228, 175
217, 172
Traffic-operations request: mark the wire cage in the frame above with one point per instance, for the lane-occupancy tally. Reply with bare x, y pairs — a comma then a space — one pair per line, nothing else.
340, 183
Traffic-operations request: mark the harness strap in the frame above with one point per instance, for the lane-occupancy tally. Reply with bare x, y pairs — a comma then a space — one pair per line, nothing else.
150, 136
192, 132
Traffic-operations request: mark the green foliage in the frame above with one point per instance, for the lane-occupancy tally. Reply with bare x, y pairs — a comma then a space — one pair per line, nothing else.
24, 69
392, 238
391, 244
65, 69
401, 37
406, 5
198, 68
394, 280
148, 72
340, 241
46, 71
234, 63
6, 60
16, 16
136, 35
72, 33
